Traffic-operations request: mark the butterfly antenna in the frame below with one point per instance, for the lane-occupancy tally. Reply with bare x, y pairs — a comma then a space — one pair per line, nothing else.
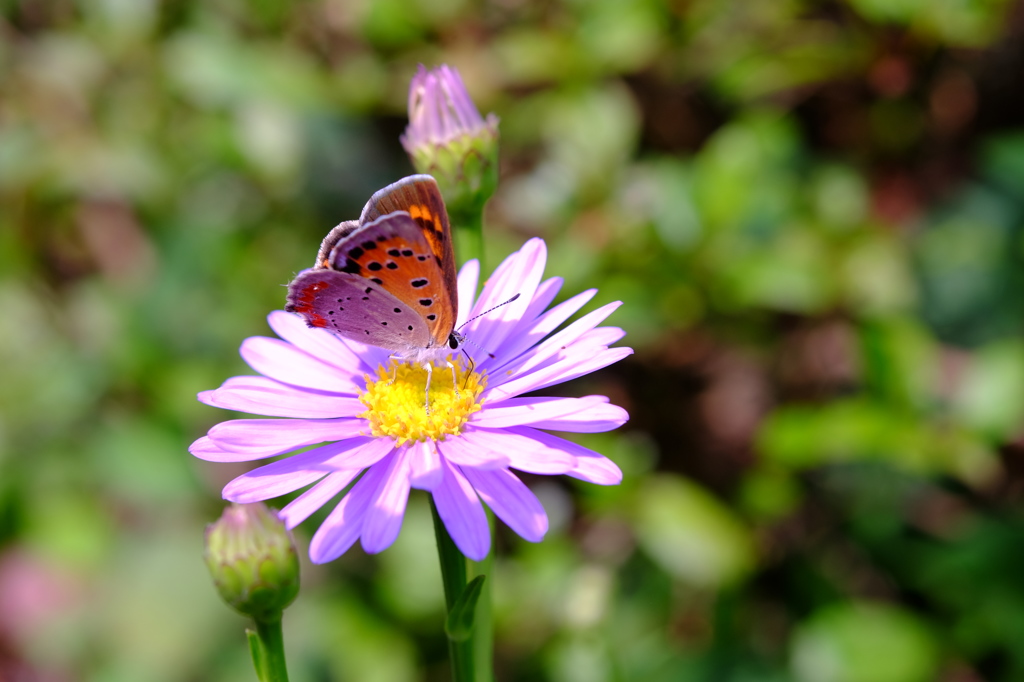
466, 339
463, 339
487, 311
472, 366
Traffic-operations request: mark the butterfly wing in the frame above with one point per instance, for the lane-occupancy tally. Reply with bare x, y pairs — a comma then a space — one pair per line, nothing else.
356, 308
394, 252
333, 237
419, 196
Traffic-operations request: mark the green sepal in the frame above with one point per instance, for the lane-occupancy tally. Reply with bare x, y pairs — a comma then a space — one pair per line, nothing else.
459, 625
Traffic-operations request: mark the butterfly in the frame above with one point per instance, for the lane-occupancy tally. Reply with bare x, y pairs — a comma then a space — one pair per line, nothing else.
388, 279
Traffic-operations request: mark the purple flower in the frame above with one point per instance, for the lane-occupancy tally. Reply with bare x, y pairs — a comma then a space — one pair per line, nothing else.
441, 111
447, 138
366, 417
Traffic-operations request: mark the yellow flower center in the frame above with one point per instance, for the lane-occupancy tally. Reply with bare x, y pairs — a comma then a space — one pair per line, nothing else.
397, 402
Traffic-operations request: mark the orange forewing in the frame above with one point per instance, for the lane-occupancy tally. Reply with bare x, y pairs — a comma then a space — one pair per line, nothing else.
420, 197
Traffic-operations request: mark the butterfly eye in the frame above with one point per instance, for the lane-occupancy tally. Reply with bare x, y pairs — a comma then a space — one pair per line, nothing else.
453, 341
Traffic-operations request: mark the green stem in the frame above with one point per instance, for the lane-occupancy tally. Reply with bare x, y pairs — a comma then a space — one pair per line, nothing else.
453, 575
483, 631
469, 236
272, 644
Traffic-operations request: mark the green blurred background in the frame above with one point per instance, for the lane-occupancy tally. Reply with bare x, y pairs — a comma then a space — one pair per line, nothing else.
814, 212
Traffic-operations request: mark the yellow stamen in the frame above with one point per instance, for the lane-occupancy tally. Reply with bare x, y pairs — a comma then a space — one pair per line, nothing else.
395, 402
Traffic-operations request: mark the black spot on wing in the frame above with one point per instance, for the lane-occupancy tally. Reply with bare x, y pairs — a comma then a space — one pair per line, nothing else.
355, 253
376, 281
374, 265
352, 267
392, 265
394, 253
406, 252
426, 302
431, 317
369, 245
417, 283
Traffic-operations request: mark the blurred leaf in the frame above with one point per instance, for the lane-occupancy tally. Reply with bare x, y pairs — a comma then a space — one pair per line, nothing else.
864, 642
992, 396
690, 534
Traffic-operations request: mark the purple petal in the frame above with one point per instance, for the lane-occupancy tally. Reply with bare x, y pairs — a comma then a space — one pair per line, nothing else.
537, 330
383, 519
424, 465
469, 275
591, 466
511, 501
591, 414
542, 298
204, 448
520, 337
260, 395
521, 276
320, 343
557, 346
299, 509
557, 373
341, 528
282, 361
605, 336
465, 112
269, 437
290, 474
524, 452
517, 411
458, 451
462, 514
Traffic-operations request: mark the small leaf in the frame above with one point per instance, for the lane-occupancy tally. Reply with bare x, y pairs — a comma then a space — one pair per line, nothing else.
459, 625
256, 650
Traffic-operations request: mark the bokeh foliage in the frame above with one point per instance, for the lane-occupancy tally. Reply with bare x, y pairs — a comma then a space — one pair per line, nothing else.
814, 212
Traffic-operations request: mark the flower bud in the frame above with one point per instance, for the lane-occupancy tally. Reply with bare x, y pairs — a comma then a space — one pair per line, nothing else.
447, 138
253, 561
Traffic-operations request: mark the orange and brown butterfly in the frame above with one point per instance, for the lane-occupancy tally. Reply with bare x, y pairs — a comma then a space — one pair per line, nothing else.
389, 278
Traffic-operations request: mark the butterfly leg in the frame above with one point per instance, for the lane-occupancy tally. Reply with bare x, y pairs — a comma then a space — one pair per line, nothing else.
426, 400
455, 380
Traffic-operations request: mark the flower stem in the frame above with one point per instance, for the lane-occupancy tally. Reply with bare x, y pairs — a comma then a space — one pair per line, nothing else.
271, 667
469, 235
453, 575
483, 639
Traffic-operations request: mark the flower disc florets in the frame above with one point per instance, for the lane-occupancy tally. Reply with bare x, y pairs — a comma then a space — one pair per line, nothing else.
398, 404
